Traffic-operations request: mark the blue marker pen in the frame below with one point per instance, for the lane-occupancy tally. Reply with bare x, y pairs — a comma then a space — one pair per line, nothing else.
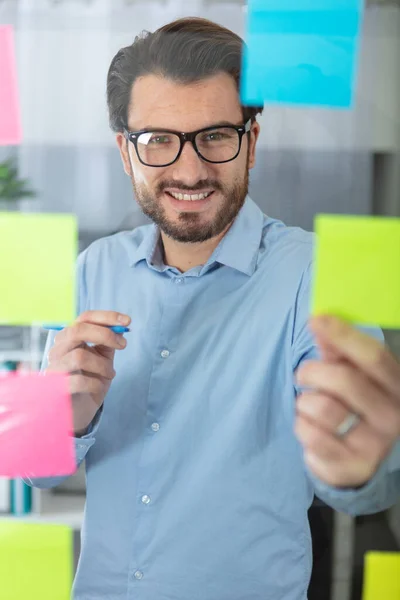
114, 328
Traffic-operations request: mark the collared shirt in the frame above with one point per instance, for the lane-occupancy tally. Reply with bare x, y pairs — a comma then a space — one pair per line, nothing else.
196, 484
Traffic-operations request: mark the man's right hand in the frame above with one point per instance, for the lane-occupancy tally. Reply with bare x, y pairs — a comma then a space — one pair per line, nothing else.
90, 367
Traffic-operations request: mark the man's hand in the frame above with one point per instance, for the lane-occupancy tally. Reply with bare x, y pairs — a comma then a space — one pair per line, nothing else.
356, 374
91, 367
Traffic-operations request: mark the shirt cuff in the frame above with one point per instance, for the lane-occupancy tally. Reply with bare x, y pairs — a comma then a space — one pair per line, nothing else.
82, 446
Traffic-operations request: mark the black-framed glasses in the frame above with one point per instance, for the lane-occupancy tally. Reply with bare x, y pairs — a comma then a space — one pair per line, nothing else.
163, 147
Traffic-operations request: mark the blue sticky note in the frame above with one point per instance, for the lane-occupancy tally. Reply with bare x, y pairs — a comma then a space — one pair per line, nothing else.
301, 52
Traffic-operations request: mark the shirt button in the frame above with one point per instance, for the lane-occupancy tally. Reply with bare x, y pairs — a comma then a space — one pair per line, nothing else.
138, 575
179, 280
146, 499
165, 353
155, 427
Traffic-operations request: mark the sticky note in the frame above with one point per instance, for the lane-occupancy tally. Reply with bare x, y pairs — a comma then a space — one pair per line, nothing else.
36, 425
381, 576
36, 561
10, 122
301, 52
37, 268
357, 269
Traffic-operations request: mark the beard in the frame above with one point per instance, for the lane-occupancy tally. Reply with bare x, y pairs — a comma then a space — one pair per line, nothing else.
191, 227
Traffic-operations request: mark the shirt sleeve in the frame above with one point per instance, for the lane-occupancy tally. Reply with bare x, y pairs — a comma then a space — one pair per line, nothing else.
84, 443
383, 490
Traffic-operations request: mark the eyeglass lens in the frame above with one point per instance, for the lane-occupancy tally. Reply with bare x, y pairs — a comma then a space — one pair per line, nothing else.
159, 148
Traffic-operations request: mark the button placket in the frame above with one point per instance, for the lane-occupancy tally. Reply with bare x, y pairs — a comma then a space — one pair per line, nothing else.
168, 336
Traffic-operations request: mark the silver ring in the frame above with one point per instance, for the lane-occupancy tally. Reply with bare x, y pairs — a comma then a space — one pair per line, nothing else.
350, 422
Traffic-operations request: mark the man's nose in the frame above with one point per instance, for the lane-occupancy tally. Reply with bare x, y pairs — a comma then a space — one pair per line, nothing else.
189, 168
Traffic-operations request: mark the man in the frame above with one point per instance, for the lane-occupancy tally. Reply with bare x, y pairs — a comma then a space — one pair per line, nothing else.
202, 453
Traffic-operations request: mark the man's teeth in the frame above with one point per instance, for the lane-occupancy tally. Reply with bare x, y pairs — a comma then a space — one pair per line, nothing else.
190, 197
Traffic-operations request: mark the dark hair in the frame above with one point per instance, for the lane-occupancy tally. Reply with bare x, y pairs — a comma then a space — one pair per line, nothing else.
185, 51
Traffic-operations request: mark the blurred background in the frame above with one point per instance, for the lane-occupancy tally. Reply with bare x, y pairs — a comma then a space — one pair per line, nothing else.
309, 161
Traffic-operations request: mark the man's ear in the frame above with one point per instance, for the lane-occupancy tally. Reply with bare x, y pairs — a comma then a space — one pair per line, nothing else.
254, 133
123, 150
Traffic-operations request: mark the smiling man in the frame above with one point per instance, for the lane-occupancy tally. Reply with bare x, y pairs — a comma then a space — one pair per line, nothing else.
203, 452
192, 144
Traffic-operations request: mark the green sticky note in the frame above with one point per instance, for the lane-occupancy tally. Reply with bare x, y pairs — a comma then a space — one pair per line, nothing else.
357, 269
381, 576
36, 561
37, 268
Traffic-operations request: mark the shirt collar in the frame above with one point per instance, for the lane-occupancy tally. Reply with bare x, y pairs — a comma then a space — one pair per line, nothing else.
238, 249
148, 248
240, 246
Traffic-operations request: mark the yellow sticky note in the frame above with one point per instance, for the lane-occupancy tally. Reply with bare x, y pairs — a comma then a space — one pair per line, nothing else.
381, 576
357, 269
37, 268
36, 561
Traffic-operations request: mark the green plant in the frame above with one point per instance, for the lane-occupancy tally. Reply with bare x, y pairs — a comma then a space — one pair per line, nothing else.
12, 188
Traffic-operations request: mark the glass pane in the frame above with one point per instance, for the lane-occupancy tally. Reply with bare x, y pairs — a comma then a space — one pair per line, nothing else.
158, 147
218, 144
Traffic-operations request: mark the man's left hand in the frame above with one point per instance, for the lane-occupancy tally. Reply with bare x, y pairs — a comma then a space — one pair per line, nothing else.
356, 374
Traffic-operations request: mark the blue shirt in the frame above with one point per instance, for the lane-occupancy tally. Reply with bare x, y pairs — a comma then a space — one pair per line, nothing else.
196, 484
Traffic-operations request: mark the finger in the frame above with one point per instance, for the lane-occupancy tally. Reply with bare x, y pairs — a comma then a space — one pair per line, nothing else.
74, 336
355, 391
328, 413
334, 474
62, 345
103, 317
327, 352
60, 348
108, 353
316, 439
367, 353
329, 456
83, 359
323, 409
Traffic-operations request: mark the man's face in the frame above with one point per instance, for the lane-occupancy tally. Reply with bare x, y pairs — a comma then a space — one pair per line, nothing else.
159, 103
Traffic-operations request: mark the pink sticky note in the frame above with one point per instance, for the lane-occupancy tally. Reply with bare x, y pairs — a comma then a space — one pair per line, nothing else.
10, 121
36, 425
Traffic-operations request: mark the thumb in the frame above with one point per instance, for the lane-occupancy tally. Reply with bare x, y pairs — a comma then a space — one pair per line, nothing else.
105, 351
328, 352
